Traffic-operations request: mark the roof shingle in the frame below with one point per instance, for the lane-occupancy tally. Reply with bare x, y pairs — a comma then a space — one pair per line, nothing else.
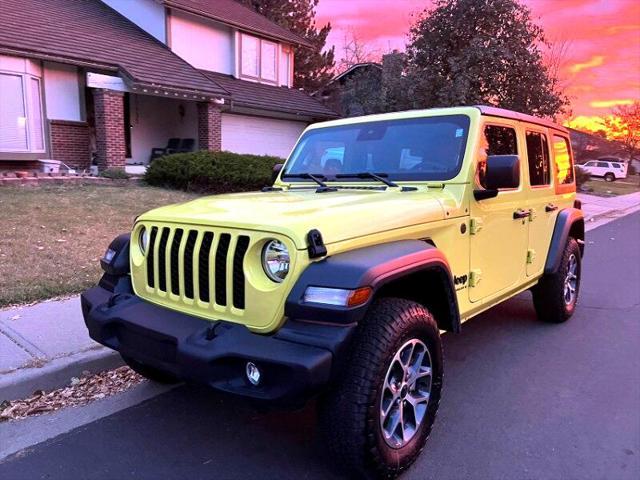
90, 31
233, 13
271, 98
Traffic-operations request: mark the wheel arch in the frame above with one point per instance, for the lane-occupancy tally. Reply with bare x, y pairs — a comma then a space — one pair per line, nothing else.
569, 223
410, 269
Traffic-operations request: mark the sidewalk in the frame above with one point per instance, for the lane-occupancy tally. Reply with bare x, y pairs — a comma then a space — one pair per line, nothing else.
600, 210
42, 346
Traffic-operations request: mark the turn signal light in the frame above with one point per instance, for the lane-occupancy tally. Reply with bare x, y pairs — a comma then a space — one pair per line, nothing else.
359, 296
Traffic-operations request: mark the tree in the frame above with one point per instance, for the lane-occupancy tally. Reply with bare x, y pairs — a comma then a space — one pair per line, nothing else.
467, 52
313, 67
355, 51
377, 90
624, 126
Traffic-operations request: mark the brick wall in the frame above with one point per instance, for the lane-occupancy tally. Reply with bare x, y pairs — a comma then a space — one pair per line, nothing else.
70, 143
209, 127
109, 121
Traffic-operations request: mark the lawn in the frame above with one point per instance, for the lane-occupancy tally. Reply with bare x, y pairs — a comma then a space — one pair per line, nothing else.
52, 237
612, 189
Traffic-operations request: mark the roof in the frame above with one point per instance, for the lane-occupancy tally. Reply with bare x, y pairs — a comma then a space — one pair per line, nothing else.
237, 15
523, 117
88, 32
430, 112
355, 67
270, 97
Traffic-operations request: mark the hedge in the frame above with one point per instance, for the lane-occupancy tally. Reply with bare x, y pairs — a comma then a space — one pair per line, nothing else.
215, 172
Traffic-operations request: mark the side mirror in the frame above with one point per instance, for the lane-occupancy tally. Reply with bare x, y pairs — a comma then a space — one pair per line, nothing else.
503, 171
276, 171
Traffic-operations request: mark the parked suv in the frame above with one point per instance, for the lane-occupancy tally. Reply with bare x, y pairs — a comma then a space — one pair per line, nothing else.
609, 170
378, 233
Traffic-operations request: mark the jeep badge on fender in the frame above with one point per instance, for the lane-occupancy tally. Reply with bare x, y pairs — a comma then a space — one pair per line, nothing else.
336, 281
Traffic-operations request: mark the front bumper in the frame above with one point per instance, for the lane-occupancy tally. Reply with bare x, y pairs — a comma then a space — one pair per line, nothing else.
296, 361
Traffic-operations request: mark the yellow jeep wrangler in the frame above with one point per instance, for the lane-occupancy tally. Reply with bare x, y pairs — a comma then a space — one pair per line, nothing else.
378, 233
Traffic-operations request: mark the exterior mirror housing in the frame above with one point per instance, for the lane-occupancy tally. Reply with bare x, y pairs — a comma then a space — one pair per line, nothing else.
276, 171
503, 171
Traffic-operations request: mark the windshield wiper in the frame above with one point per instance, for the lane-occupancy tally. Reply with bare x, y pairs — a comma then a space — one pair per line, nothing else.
316, 177
375, 176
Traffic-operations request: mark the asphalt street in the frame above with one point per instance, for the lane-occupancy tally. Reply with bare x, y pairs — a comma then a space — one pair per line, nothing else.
522, 399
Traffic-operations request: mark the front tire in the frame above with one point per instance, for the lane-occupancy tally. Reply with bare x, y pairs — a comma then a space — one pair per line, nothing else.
556, 295
380, 413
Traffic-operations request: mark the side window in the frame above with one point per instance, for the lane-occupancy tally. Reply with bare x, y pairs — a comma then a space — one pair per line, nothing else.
603, 165
538, 156
564, 162
502, 140
590, 164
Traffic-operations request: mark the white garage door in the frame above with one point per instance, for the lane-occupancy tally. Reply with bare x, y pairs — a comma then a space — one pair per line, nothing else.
260, 136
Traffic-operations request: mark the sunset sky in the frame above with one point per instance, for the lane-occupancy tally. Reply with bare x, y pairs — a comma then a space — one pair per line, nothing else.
601, 68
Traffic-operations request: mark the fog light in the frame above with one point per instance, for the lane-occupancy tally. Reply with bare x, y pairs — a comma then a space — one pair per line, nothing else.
253, 373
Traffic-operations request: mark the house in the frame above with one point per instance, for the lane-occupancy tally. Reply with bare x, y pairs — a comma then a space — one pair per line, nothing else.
113, 79
333, 94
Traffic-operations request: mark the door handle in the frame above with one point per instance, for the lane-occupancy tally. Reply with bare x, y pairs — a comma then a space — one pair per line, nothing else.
550, 207
520, 213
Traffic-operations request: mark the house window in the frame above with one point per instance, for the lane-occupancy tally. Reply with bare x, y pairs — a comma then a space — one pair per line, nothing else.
21, 118
258, 59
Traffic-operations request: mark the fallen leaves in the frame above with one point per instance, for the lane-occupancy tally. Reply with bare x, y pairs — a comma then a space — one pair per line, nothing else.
81, 391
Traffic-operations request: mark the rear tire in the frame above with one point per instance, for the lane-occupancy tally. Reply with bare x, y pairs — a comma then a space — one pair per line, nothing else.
150, 373
378, 416
555, 296
609, 177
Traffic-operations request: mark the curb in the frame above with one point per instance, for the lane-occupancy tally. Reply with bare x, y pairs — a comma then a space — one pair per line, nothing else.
610, 215
56, 373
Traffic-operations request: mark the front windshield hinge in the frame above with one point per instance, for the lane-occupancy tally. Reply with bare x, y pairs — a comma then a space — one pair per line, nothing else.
315, 243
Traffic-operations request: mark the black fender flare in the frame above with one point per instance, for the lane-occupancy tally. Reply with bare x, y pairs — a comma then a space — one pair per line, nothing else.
568, 220
374, 266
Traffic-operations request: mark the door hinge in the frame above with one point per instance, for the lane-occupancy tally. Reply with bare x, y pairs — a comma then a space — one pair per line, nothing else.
531, 255
474, 277
532, 214
475, 225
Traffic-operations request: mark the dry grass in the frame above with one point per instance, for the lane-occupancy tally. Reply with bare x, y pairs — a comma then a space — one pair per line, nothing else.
52, 237
601, 188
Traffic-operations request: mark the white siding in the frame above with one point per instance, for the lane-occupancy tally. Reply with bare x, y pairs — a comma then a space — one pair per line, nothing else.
259, 136
155, 119
203, 43
147, 14
62, 92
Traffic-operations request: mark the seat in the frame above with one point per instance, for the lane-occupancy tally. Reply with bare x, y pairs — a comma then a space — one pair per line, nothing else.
171, 147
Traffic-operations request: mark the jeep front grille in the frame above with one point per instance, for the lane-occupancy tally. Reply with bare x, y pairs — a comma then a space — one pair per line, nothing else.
211, 263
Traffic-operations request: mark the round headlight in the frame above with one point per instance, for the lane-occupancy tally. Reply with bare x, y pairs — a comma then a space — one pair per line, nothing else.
143, 240
275, 260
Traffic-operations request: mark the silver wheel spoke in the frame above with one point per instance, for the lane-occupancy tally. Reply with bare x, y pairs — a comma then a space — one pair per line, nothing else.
405, 393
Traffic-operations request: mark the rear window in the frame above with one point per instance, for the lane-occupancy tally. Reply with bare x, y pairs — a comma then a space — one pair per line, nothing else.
538, 157
563, 160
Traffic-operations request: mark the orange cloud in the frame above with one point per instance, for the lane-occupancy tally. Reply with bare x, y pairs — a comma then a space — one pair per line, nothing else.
610, 103
595, 61
588, 123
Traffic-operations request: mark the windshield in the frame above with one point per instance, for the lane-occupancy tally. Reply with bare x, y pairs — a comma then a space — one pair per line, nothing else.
429, 148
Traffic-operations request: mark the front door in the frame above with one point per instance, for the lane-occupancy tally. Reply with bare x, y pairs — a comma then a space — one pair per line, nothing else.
498, 227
